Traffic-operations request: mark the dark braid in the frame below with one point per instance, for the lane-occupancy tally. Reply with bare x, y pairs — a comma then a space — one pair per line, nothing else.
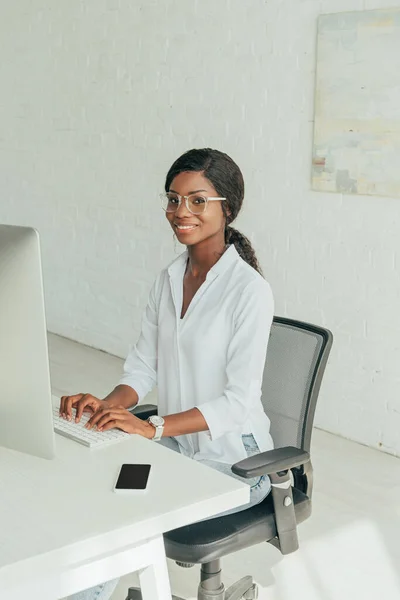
227, 180
243, 247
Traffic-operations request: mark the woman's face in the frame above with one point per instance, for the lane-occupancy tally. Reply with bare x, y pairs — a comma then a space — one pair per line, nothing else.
192, 229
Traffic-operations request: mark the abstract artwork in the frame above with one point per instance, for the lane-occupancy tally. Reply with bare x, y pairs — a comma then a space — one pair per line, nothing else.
357, 107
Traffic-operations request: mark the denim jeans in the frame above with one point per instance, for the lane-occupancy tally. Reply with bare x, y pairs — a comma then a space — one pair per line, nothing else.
259, 489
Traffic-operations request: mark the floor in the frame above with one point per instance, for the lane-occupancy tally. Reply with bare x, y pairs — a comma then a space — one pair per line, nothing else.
349, 548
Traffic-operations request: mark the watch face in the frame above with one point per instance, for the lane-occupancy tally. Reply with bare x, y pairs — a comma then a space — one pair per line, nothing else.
157, 421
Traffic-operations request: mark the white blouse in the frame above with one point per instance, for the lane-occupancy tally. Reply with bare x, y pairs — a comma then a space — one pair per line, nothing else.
212, 359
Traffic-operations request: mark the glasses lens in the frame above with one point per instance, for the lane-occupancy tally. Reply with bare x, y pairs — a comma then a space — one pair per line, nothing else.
170, 202
197, 204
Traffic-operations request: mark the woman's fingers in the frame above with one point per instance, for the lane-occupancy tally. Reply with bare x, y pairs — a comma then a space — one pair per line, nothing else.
92, 422
62, 405
124, 420
66, 404
87, 401
117, 416
104, 416
120, 424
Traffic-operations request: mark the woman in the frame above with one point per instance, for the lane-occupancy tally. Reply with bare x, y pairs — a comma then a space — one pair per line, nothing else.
204, 335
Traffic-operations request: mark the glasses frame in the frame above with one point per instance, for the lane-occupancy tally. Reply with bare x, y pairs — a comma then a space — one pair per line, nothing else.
186, 198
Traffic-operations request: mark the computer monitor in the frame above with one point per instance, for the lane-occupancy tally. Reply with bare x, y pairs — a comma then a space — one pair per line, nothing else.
26, 422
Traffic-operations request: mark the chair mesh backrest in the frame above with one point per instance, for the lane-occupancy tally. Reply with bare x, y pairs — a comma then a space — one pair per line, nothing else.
292, 360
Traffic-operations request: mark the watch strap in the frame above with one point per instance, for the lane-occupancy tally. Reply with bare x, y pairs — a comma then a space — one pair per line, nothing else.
158, 431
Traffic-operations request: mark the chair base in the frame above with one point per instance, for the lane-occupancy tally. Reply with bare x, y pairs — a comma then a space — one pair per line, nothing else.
243, 589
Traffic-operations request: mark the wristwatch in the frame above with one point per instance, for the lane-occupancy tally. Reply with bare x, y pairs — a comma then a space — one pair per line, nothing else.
158, 424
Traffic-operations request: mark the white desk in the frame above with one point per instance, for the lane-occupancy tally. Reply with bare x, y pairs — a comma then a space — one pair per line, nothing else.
62, 529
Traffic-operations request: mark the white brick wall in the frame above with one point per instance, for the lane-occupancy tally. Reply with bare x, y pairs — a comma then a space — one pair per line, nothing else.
97, 99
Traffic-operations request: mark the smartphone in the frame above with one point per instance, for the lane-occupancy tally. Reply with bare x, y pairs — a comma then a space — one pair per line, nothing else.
132, 478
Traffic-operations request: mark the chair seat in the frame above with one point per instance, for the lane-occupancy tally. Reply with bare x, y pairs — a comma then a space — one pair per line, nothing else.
212, 539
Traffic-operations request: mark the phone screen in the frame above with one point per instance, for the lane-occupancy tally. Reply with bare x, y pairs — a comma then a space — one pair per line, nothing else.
133, 477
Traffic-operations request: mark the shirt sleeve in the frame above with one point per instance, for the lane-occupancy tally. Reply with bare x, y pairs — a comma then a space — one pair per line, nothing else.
245, 362
140, 368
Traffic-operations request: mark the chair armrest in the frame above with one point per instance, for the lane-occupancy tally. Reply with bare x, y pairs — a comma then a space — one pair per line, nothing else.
277, 464
144, 411
272, 461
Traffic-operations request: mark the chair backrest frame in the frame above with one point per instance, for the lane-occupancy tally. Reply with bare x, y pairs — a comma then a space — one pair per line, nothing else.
326, 339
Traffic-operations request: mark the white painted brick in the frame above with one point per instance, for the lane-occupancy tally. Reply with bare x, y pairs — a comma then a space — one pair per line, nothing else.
99, 97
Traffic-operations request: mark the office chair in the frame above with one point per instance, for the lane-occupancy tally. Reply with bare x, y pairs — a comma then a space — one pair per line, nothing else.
296, 360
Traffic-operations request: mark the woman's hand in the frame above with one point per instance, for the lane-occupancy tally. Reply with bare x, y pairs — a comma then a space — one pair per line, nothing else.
108, 417
81, 402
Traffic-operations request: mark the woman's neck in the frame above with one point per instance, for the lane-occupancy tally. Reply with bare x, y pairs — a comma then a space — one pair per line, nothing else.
203, 257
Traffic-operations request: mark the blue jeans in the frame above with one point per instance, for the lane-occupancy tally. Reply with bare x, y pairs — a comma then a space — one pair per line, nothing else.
259, 489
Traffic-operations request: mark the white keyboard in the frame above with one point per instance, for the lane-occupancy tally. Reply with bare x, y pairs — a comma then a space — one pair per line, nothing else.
88, 437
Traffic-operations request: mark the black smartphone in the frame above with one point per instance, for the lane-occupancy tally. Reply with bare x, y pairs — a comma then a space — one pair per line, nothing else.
132, 478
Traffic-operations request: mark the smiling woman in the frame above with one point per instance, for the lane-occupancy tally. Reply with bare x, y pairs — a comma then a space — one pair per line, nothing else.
215, 178
204, 334
199, 218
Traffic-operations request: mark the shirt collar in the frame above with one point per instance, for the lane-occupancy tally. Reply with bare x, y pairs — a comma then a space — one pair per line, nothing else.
227, 259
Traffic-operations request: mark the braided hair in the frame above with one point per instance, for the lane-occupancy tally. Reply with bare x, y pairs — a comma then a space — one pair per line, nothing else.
227, 180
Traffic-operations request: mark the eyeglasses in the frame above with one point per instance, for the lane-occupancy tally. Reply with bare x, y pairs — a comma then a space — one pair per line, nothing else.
195, 203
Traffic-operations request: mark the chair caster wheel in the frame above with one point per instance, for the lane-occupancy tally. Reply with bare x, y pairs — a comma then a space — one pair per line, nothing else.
252, 593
